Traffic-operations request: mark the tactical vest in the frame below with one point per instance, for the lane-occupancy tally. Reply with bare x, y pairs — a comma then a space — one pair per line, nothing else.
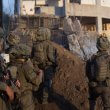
44, 53
101, 67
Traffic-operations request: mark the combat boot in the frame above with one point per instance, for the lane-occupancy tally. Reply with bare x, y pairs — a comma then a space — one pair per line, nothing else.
92, 104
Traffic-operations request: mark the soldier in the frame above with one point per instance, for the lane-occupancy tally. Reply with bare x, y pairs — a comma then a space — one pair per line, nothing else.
13, 39
3, 86
99, 75
29, 79
24, 33
44, 55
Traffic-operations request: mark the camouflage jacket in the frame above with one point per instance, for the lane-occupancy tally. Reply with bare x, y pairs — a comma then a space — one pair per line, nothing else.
2, 86
99, 70
27, 76
44, 54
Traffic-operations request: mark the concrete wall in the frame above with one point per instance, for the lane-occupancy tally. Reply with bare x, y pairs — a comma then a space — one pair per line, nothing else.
105, 3
52, 2
87, 10
55, 3
40, 2
51, 10
47, 10
28, 7
92, 2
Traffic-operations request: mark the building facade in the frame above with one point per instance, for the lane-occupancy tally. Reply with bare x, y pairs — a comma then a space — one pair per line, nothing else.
93, 14
31, 7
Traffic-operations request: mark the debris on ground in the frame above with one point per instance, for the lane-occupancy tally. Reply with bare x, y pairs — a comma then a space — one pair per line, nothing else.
81, 42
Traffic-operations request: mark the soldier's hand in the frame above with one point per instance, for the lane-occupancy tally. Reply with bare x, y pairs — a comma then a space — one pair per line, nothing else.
10, 93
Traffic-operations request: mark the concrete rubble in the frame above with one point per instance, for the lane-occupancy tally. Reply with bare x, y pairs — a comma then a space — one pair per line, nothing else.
81, 43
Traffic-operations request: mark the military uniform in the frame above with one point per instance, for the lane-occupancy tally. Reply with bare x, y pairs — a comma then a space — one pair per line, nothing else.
26, 75
2, 102
44, 55
2, 85
100, 75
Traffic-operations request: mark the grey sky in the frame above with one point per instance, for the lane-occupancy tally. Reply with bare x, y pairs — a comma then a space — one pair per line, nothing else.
8, 6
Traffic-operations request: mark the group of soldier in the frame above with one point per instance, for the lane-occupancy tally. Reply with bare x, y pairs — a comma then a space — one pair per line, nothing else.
32, 65
29, 68
98, 71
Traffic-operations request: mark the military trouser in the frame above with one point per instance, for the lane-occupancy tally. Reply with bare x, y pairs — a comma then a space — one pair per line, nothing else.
102, 91
27, 101
48, 75
4, 105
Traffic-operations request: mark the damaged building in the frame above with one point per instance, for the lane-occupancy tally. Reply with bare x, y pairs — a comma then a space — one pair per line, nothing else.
93, 14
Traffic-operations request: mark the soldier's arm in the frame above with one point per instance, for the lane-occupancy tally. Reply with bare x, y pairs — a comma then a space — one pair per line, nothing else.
52, 54
30, 74
3, 86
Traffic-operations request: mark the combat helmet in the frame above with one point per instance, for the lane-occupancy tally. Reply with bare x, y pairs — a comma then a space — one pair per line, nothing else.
21, 50
13, 39
43, 34
103, 43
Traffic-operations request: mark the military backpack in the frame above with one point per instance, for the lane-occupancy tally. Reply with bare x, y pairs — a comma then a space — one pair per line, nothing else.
100, 67
44, 53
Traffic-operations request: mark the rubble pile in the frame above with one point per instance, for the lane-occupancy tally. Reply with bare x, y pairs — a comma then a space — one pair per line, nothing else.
70, 82
80, 42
